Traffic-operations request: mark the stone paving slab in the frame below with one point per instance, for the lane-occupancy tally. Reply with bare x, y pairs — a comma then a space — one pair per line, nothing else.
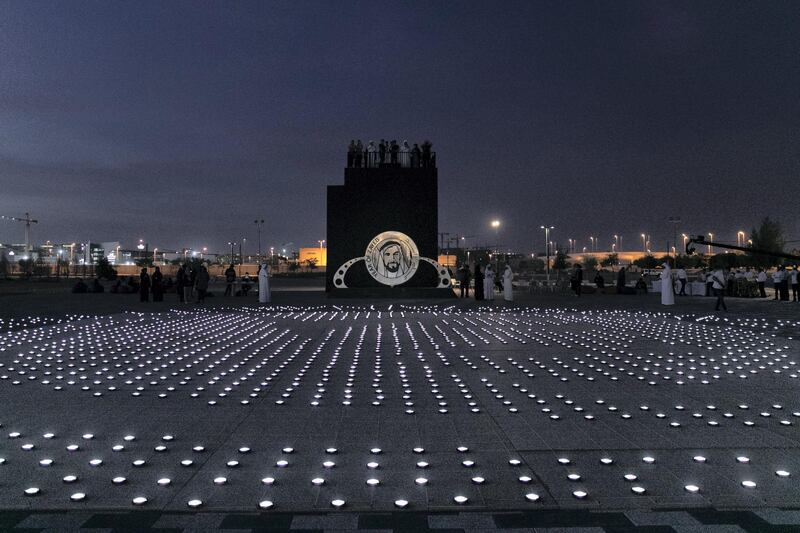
515, 409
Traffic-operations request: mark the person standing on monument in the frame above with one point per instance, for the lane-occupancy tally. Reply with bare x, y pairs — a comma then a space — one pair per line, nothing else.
359, 153
478, 283
405, 153
382, 152
426, 155
416, 154
371, 155
488, 283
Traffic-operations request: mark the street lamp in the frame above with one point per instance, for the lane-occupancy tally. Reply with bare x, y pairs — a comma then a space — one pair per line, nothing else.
710, 240
740, 238
593, 240
258, 224
547, 249
154, 254
644, 243
616, 241
232, 244
685, 238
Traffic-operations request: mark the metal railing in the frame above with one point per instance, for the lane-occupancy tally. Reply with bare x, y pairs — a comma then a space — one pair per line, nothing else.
391, 159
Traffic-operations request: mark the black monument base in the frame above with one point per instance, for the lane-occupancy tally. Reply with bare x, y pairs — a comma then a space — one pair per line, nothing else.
393, 293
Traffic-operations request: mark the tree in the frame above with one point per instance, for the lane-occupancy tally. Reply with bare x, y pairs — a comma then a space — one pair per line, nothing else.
768, 237
647, 261
560, 262
589, 263
610, 260
293, 266
103, 269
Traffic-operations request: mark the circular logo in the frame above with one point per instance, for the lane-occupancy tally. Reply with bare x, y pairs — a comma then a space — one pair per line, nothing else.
392, 258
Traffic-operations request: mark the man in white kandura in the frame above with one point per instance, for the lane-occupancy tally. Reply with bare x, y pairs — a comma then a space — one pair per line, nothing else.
667, 289
508, 290
488, 283
263, 285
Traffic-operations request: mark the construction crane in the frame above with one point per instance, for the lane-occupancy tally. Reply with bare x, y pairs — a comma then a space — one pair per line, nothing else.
701, 240
28, 221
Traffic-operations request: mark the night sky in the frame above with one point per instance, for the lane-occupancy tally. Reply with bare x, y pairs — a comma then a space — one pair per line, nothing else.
181, 123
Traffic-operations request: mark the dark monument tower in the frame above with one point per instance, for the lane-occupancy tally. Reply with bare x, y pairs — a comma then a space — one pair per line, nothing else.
382, 226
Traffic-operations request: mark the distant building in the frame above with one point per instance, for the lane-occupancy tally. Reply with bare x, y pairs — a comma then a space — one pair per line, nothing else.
318, 254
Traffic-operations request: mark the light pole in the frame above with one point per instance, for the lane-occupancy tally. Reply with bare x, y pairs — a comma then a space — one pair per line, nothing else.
258, 224
496, 226
593, 240
675, 221
710, 240
685, 238
155, 251
547, 249
232, 244
571, 246
740, 238
616, 242
644, 244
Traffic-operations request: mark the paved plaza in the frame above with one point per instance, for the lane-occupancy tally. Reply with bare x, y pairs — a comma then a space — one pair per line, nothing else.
375, 416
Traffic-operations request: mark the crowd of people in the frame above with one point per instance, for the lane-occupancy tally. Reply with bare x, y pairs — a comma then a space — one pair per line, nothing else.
390, 154
485, 282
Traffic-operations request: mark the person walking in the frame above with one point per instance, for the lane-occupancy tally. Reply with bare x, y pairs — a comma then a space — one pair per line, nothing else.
718, 284
793, 277
157, 288
478, 283
508, 287
761, 279
263, 285
230, 279
144, 286
488, 283
188, 283
463, 280
680, 273
709, 282
201, 283
179, 283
